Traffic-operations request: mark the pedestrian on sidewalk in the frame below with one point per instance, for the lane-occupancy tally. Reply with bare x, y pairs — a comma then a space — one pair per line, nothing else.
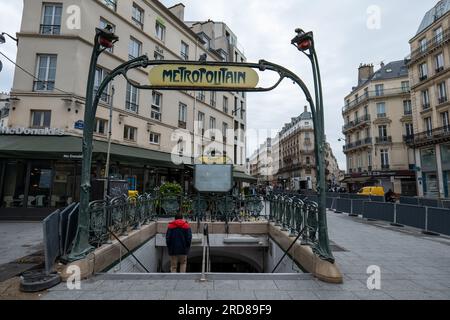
178, 240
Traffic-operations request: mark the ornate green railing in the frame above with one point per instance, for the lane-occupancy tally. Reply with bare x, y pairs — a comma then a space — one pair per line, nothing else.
120, 215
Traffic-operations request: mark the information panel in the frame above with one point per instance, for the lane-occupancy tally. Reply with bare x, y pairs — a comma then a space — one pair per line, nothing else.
213, 178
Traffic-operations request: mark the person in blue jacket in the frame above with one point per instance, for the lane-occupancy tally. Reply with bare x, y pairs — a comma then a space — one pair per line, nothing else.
178, 240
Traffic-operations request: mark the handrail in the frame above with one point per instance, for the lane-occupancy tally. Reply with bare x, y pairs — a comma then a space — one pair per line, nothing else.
290, 247
129, 251
206, 262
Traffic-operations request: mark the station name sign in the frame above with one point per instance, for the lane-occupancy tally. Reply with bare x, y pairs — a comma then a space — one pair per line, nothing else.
203, 76
32, 131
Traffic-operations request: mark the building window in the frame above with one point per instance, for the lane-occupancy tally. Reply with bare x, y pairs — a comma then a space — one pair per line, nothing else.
156, 106
405, 86
181, 146
138, 16
445, 120
100, 75
158, 56
184, 51
100, 126
51, 19
423, 71
225, 104
160, 30
428, 126
182, 115
155, 138
134, 48
242, 110
224, 131
407, 108
409, 129
130, 133
132, 101
423, 45
103, 24
384, 158
439, 61
201, 96
201, 121
112, 4
213, 98
438, 35
382, 131
46, 73
442, 92
40, 119
425, 99
379, 90
381, 110
212, 123
369, 160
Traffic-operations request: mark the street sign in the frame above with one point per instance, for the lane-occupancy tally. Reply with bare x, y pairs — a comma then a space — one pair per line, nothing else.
177, 75
79, 125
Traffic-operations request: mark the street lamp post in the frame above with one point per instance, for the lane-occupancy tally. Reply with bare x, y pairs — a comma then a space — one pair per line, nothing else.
304, 42
3, 39
104, 39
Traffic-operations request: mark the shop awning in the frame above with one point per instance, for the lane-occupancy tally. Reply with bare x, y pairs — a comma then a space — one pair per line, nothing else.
50, 146
356, 180
241, 176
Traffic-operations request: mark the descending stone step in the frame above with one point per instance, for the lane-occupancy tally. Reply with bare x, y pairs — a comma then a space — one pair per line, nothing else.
209, 276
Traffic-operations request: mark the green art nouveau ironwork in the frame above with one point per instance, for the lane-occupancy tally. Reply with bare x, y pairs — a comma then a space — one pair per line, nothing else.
285, 209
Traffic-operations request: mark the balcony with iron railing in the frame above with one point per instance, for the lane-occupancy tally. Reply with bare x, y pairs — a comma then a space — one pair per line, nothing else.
356, 123
429, 137
383, 140
442, 100
358, 144
50, 29
369, 95
43, 85
430, 45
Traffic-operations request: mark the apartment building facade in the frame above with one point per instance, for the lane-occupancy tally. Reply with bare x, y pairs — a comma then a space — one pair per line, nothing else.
429, 71
5, 103
260, 163
293, 157
40, 158
377, 118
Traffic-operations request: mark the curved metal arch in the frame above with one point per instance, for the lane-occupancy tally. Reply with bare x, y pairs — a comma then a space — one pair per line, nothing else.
143, 62
263, 65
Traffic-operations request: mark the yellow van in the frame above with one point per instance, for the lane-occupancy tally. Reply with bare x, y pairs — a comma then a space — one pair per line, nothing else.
371, 191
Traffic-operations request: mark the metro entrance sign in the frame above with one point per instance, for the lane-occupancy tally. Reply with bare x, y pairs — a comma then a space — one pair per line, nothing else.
206, 76
180, 75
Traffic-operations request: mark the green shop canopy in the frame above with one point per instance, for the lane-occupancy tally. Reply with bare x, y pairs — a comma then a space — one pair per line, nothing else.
241, 176
51, 147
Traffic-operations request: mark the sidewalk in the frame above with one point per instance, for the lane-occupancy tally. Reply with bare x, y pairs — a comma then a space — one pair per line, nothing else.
413, 266
19, 239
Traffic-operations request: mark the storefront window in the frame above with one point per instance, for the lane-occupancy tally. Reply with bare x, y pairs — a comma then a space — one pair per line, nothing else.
428, 157
14, 184
40, 184
445, 157
64, 185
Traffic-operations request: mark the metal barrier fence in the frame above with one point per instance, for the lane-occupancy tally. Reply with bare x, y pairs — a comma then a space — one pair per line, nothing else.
429, 219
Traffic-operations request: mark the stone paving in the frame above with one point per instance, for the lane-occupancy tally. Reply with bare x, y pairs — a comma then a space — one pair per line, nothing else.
19, 239
413, 266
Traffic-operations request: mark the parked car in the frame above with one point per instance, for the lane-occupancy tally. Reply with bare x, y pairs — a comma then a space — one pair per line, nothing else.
372, 191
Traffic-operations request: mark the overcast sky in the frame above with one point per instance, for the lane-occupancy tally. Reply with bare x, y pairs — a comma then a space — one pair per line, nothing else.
346, 35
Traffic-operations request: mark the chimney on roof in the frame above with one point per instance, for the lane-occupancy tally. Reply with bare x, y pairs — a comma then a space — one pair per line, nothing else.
382, 64
306, 108
178, 11
365, 71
